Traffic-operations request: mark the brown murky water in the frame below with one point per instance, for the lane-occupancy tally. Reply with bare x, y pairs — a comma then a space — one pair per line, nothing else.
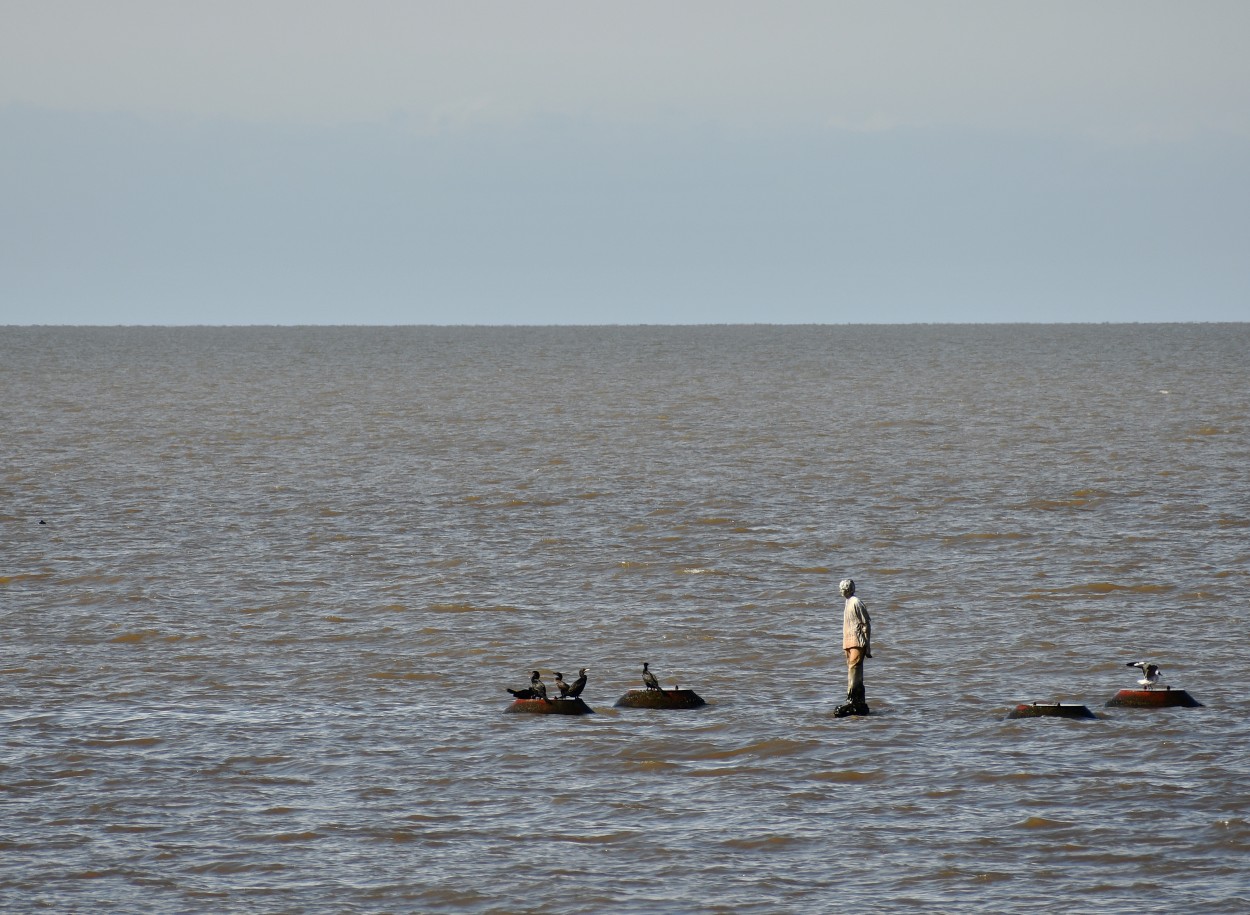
254, 659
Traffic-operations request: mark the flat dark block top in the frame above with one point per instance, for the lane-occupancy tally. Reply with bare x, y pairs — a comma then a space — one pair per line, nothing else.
550, 707
1154, 698
660, 698
1050, 710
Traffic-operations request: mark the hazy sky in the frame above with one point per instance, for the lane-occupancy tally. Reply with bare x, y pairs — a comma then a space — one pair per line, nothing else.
296, 161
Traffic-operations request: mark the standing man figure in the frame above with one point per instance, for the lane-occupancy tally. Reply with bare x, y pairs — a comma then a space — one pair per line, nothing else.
857, 643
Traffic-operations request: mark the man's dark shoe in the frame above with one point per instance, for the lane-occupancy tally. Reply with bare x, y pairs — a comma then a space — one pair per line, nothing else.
855, 698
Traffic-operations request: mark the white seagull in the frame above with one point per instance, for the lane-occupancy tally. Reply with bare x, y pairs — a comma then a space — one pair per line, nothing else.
1150, 672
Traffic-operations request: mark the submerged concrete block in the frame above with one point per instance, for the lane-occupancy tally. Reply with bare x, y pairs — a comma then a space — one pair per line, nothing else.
1154, 698
1050, 710
550, 707
660, 698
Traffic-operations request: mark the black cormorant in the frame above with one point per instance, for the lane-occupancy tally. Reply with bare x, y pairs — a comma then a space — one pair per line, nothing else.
538, 687
536, 690
649, 678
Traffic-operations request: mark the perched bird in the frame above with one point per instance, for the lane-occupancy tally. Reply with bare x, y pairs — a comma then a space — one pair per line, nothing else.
579, 684
536, 690
561, 685
538, 687
648, 678
1150, 672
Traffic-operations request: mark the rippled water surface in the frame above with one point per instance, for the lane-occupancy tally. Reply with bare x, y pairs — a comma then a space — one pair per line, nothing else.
262, 589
